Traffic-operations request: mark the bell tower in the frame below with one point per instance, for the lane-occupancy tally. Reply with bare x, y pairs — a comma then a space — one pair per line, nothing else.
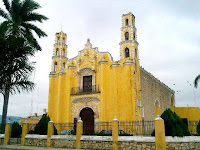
59, 58
128, 44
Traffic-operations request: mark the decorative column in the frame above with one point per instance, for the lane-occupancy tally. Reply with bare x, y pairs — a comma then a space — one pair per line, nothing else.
115, 133
157, 108
160, 134
79, 132
7, 134
50, 132
25, 129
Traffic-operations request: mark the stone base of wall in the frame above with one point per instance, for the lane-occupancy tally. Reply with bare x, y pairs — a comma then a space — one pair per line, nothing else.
96, 145
136, 145
105, 142
36, 140
1, 139
15, 141
63, 141
183, 146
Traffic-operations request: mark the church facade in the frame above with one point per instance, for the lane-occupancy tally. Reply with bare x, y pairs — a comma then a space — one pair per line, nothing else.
96, 88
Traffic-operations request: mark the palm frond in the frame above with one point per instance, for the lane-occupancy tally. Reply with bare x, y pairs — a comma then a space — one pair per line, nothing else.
37, 30
4, 14
29, 6
197, 79
15, 11
7, 5
34, 17
32, 41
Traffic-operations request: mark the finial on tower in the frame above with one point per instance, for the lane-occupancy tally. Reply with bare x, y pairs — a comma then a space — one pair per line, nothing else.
88, 44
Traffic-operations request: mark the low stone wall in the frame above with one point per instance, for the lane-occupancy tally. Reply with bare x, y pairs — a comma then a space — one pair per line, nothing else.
36, 140
15, 141
1, 139
105, 142
63, 141
173, 143
96, 142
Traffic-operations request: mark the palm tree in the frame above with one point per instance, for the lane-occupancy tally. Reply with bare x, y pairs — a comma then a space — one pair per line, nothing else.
17, 44
19, 17
15, 68
197, 79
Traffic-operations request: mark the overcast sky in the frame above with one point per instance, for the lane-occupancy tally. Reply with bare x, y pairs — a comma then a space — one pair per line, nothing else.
167, 31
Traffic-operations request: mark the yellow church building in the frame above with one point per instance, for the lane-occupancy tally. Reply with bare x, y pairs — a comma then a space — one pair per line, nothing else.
96, 88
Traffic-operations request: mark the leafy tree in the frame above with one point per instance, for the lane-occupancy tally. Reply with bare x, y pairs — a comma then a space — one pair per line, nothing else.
17, 44
196, 81
16, 130
42, 126
14, 67
174, 125
198, 128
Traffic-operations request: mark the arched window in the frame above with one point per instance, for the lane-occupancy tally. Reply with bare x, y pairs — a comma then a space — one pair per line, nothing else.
63, 65
58, 40
63, 52
57, 52
55, 66
63, 40
126, 53
126, 22
133, 35
126, 36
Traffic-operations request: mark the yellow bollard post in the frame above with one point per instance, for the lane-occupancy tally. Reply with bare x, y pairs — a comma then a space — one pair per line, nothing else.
79, 132
157, 108
25, 130
160, 134
50, 132
7, 134
115, 133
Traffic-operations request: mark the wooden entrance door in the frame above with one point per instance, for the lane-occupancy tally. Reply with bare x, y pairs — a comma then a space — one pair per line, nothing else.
87, 116
87, 84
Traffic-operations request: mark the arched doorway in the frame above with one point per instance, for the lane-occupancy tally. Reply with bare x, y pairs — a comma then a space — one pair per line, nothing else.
87, 116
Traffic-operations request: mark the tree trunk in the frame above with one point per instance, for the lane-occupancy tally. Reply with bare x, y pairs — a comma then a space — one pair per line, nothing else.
5, 108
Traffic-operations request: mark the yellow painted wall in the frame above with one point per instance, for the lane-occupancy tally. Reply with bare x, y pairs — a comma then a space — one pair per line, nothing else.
119, 83
191, 113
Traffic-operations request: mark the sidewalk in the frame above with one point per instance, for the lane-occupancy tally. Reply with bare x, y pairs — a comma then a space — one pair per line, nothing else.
19, 147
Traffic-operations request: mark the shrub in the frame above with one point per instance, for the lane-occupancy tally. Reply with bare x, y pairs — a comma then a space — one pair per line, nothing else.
41, 126
174, 125
198, 128
16, 130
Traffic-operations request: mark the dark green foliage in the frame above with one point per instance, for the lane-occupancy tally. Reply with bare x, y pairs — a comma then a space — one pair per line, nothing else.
55, 131
174, 125
198, 128
31, 132
16, 130
185, 121
42, 126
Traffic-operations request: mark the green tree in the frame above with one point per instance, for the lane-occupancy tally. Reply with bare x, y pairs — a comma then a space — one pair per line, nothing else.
15, 68
198, 128
16, 130
196, 81
42, 126
17, 45
174, 125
